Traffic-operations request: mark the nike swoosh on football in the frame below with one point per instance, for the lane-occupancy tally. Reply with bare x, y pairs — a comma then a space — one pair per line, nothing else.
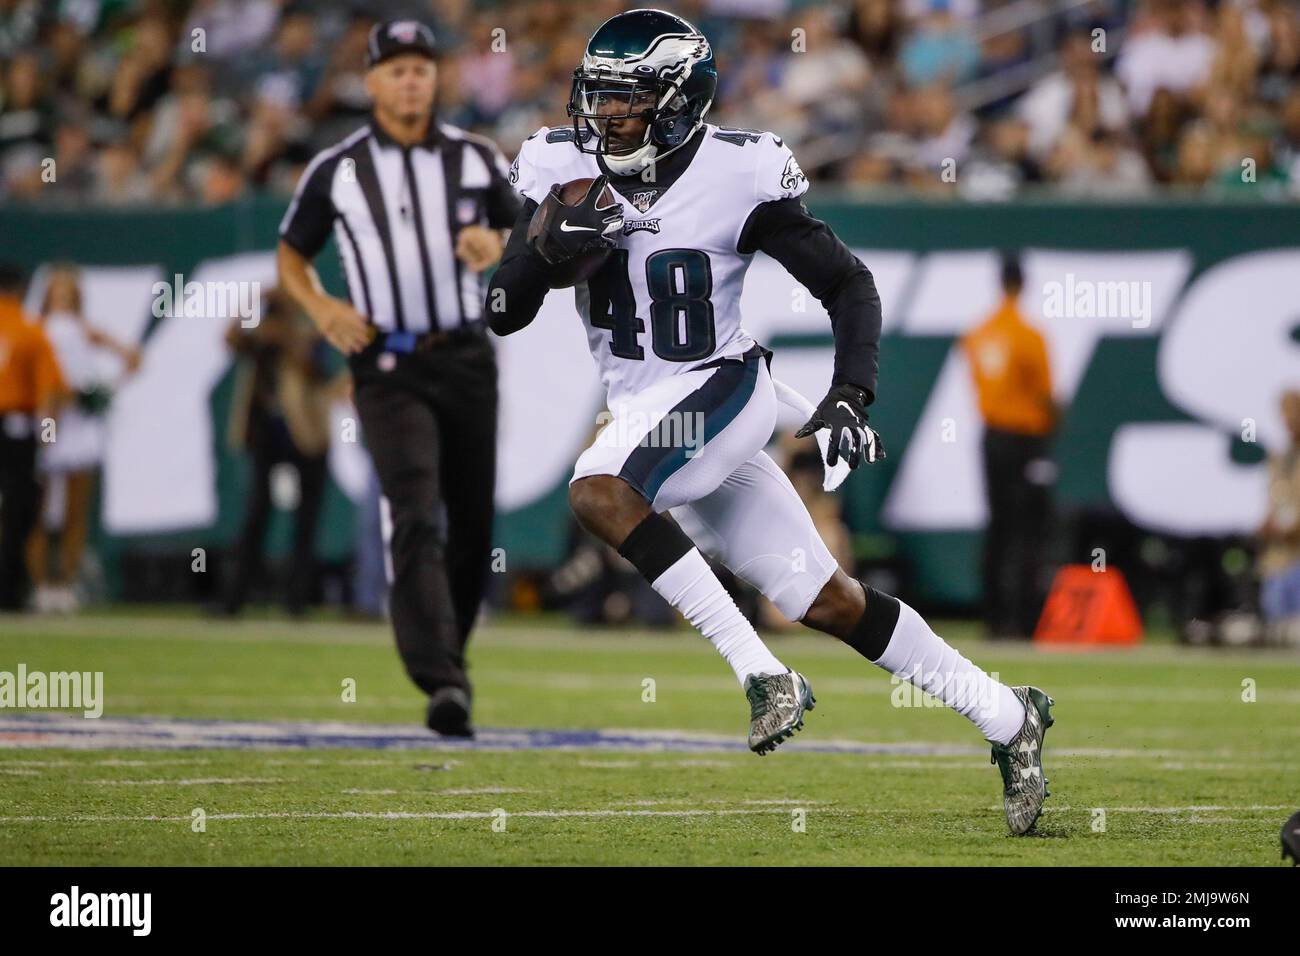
565, 227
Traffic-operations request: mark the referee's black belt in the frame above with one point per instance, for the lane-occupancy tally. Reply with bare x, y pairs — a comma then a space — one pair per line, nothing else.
407, 342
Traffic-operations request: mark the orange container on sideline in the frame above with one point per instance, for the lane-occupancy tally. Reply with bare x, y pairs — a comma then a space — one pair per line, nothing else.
1089, 607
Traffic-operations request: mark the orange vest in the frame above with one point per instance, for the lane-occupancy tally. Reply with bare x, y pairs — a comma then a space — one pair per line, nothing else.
29, 373
1013, 379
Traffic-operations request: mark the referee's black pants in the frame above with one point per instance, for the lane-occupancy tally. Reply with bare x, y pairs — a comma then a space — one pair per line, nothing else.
430, 420
1015, 542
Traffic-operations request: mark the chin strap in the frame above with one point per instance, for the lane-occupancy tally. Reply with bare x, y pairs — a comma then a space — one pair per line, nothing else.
643, 156
634, 162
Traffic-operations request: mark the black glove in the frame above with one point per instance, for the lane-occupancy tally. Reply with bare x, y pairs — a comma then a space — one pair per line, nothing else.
844, 412
559, 232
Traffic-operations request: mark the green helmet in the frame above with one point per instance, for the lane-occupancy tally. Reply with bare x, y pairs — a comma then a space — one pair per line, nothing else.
654, 66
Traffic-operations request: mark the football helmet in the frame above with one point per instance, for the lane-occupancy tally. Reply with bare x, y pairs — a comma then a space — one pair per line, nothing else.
643, 64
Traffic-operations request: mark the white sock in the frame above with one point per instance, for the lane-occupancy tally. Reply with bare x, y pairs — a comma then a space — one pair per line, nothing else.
691, 586
918, 655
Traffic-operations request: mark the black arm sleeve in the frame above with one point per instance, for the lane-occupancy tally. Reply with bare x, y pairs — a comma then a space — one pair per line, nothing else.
519, 284
310, 218
816, 258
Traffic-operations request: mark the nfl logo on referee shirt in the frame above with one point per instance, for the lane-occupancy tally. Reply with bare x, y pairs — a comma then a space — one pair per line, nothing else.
466, 211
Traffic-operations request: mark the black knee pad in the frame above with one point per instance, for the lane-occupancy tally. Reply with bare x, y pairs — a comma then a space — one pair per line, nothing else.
871, 635
655, 545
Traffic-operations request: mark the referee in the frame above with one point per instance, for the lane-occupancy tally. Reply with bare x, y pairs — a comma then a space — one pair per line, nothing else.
416, 207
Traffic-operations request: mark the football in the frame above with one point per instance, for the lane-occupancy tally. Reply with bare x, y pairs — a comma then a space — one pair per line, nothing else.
573, 192
584, 265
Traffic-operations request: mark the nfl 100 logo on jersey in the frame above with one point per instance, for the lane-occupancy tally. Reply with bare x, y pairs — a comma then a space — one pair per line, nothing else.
644, 199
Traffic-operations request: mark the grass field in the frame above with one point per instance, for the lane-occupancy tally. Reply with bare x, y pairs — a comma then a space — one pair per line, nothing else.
1160, 738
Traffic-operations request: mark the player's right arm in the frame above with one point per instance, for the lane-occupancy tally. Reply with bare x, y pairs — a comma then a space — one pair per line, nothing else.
303, 233
520, 284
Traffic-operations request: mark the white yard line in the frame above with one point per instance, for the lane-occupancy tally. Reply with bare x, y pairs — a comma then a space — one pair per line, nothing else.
399, 760
686, 801
633, 809
402, 815
457, 792
161, 761
223, 702
187, 781
1208, 808
783, 803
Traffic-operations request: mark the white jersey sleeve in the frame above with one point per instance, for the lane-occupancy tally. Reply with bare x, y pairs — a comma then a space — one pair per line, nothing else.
776, 172
523, 172
546, 158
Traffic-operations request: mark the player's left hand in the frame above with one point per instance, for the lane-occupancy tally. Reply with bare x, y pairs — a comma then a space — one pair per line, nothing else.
478, 247
844, 412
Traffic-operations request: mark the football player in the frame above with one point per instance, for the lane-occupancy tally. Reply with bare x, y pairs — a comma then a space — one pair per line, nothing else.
680, 470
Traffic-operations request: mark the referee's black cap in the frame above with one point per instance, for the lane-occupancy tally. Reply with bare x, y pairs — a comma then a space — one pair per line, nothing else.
392, 37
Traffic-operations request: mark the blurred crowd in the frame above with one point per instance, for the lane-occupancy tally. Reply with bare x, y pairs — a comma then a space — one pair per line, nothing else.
181, 101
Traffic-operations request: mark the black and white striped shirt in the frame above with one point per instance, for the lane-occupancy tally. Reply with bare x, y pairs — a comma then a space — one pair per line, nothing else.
395, 212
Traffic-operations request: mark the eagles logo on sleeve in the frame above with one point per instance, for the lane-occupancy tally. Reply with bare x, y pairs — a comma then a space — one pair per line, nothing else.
792, 176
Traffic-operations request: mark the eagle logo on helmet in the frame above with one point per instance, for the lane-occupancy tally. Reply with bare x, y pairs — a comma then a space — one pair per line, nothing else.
683, 48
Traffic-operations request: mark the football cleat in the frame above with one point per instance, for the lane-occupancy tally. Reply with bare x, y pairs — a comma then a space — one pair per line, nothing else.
448, 713
1024, 788
776, 707
1291, 839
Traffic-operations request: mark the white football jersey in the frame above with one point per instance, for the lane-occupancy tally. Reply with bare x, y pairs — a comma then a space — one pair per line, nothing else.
668, 298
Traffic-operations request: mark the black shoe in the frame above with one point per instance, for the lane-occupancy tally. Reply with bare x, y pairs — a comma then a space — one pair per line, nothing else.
448, 713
